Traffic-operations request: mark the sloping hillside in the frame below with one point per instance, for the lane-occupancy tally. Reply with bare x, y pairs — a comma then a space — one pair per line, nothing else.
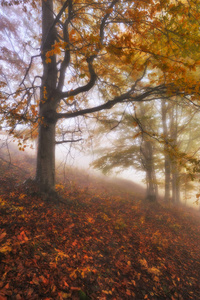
102, 242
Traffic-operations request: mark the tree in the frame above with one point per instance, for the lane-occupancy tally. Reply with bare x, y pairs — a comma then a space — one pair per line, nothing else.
137, 141
175, 169
167, 164
132, 144
180, 146
119, 51
147, 150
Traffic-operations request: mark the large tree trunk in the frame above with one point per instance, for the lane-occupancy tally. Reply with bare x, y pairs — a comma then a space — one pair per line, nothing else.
45, 173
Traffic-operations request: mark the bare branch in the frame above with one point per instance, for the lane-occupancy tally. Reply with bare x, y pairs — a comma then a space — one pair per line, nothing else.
84, 88
118, 99
28, 69
67, 141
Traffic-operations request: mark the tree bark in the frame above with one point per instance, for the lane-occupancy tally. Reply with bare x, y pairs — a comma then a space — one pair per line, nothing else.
147, 153
45, 172
175, 186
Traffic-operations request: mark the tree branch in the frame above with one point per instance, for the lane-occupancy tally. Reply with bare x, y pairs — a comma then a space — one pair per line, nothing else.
118, 99
67, 56
67, 141
84, 88
103, 22
27, 70
93, 75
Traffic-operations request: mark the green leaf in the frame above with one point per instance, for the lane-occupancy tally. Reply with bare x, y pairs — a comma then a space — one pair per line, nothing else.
83, 296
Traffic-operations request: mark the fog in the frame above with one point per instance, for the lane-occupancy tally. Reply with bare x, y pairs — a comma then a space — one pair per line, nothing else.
66, 156
79, 159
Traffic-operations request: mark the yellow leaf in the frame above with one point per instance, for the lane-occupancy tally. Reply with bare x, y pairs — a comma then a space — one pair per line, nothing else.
21, 197
107, 292
143, 263
5, 248
65, 295
156, 278
154, 271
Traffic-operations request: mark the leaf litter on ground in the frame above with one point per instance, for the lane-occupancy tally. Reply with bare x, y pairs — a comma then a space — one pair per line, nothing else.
103, 243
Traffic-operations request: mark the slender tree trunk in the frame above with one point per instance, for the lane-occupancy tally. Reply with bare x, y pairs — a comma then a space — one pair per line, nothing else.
167, 178
175, 185
166, 154
151, 190
174, 164
155, 182
147, 152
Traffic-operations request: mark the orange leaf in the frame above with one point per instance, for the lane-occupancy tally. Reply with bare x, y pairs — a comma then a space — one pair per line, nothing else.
48, 60
22, 237
74, 288
90, 220
74, 243
65, 283
2, 235
107, 292
44, 280
128, 292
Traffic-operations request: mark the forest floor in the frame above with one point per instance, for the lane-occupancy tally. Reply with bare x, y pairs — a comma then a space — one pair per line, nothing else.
104, 243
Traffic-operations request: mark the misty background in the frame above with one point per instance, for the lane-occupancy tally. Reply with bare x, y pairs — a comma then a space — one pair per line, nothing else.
68, 156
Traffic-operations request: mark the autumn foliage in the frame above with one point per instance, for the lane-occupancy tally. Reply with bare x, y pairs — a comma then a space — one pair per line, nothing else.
100, 242
82, 58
